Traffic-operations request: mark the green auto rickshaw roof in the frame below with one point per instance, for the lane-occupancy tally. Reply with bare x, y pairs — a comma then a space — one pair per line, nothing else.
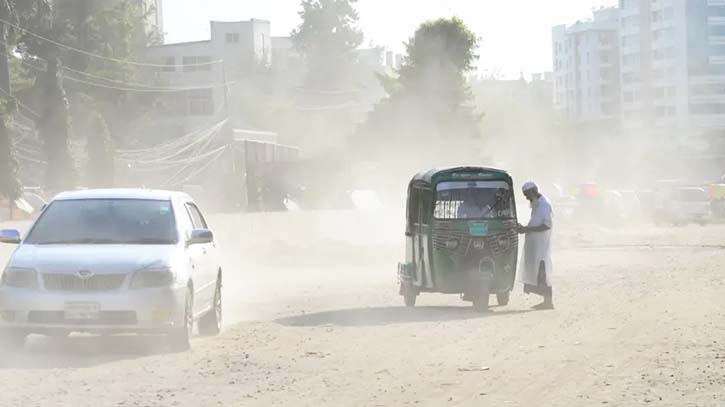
436, 175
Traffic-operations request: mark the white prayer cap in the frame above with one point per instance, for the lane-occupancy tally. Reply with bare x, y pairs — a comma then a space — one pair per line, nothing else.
529, 186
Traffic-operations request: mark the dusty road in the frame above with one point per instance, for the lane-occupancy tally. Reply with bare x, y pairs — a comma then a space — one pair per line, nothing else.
313, 319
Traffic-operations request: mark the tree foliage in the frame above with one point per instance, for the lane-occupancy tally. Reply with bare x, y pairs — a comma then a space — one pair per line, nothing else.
9, 183
430, 100
100, 153
109, 28
53, 122
327, 38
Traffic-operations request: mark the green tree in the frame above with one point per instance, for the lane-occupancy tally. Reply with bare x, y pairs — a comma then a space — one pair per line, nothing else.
53, 122
111, 29
12, 13
9, 182
430, 100
327, 38
10, 187
100, 153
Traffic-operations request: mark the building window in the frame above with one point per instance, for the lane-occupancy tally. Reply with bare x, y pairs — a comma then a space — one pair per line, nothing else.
716, 59
663, 15
630, 22
630, 77
196, 63
707, 109
665, 111
708, 90
631, 60
663, 35
170, 63
232, 38
200, 102
604, 40
716, 30
666, 53
630, 4
665, 92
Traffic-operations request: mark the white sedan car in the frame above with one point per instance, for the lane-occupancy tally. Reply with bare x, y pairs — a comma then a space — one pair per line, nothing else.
113, 261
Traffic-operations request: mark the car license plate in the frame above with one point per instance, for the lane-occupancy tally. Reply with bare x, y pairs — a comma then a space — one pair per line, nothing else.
79, 311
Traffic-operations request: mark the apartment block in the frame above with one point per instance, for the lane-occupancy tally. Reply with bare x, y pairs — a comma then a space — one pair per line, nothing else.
586, 68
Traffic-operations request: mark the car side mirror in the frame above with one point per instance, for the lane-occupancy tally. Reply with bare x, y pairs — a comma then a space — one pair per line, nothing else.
200, 236
10, 236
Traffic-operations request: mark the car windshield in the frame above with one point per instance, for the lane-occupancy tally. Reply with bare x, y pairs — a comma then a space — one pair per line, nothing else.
105, 221
474, 200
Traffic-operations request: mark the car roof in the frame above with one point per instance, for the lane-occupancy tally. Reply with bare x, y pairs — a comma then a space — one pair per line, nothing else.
121, 193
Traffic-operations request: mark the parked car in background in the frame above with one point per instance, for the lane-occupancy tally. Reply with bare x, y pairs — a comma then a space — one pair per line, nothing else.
717, 199
113, 261
682, 205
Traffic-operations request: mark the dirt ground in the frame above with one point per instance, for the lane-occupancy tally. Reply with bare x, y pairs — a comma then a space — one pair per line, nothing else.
313, 318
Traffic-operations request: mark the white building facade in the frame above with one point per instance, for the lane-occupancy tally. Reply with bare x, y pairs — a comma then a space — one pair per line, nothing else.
208, 69
586, 68
669, 60
673, 65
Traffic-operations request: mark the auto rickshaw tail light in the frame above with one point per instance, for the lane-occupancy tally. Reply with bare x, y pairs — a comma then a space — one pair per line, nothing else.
504, 242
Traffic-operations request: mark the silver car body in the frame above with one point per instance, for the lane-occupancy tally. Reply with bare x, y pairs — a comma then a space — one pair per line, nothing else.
82, 280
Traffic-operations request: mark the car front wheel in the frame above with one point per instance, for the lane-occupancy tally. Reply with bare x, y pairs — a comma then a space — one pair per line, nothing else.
180, 339
211, 323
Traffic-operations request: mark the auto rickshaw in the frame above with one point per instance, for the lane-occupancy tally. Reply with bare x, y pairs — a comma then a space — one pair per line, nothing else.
460, 236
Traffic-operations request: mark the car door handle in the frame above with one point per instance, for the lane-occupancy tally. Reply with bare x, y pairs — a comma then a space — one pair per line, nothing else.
203, 250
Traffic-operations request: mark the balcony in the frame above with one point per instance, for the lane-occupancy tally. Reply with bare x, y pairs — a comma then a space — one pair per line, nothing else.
716, 39
708, 122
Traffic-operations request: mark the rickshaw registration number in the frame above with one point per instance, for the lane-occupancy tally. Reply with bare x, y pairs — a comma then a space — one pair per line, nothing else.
478, 229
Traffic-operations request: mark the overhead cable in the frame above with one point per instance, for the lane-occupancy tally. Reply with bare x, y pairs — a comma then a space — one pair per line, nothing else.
111, 59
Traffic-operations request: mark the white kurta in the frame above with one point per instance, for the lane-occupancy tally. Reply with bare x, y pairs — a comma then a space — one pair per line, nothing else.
537, 246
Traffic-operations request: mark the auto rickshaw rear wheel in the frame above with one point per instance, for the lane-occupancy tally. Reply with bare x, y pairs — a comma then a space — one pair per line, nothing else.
480, 304
503, 298
410, 294
481, 301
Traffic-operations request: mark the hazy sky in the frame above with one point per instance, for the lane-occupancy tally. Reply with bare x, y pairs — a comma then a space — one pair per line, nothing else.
515, 34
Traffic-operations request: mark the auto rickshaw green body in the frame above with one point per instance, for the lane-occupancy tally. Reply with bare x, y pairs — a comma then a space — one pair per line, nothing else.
473, 257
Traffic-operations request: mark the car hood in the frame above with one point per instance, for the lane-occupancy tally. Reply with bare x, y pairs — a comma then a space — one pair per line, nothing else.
99, 259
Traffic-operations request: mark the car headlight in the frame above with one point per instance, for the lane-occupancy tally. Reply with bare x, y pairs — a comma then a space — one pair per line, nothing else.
19, 278
152, 278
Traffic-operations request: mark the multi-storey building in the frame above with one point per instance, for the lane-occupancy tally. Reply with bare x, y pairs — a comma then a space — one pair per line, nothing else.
586, 68
208, 69
668, 57
673, 66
